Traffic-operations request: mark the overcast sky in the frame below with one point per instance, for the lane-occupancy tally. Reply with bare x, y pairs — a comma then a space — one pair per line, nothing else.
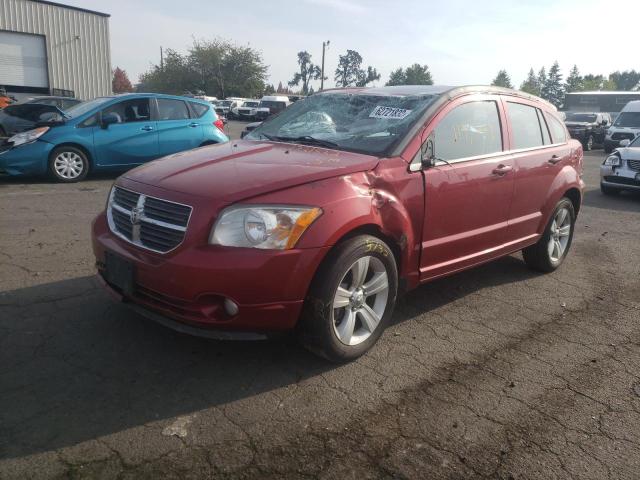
462, 41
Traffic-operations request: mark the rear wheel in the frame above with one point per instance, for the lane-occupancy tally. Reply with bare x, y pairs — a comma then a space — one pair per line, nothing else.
68, 164
552, 248
351, 300
588, 144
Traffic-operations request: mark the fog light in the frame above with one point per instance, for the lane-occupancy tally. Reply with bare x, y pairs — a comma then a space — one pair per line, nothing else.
230, 307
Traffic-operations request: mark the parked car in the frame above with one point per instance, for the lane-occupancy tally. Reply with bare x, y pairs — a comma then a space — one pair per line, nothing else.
225, 107
248, 128
588, 127
270, 105
321, 216
23, 116
621, 170
625, 127
111, 133
248, 109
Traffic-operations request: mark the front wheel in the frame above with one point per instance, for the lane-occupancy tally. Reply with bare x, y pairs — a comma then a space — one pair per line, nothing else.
588, 144
552, 248
351, 299
68, 164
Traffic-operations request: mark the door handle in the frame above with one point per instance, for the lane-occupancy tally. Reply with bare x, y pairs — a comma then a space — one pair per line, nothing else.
194, 124
147, 128
554, 159
501, 170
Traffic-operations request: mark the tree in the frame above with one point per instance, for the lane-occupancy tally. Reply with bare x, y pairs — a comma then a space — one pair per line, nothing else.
349, 72
418, 75
575, 82
597, 82
308, 71
397, 77
531, 84
502, 80
120, 82
269, 90
627, 80
552, 89
542, 79
217, 67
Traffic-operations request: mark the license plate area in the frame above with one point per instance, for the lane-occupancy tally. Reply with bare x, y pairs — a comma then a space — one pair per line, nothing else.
119, 272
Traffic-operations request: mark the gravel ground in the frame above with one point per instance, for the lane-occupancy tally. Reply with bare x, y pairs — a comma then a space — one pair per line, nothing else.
496, 372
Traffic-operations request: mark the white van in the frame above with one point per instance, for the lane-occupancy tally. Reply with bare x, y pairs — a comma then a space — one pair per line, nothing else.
270, 105
625, 127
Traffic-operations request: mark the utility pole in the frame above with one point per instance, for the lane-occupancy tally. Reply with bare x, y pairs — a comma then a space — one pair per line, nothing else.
324, 45
161, 60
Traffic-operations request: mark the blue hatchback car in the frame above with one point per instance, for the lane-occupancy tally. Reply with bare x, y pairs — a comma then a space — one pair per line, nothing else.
116, 132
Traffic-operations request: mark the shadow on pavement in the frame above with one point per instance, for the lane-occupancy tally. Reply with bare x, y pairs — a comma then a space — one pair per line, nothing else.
75, 366
624, 201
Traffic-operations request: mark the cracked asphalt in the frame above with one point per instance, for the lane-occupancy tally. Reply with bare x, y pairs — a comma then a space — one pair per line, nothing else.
497, 372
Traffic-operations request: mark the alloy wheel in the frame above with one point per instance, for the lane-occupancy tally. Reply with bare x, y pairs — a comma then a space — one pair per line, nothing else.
68, 165
360, 300
559, 234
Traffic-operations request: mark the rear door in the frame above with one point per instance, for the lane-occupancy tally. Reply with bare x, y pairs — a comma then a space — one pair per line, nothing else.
468, 192
539, 154
131, 141
177, 131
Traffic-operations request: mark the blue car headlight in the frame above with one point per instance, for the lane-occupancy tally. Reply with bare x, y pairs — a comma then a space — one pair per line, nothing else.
27, 137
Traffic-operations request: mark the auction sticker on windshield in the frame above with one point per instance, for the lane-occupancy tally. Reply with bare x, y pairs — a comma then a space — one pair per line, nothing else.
389, 113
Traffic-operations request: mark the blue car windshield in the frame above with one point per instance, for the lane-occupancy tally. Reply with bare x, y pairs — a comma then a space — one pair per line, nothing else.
84, 107
360, 122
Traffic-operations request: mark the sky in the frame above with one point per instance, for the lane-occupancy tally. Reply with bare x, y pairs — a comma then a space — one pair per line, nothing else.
462, 41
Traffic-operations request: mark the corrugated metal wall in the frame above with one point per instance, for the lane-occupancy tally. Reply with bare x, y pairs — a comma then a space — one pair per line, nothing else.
78, 49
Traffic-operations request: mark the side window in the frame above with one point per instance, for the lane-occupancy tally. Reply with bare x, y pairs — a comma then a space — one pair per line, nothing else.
170, 109
469, 130
558, 132
525, 126
545, 129
198, 108
130, 110
92, 121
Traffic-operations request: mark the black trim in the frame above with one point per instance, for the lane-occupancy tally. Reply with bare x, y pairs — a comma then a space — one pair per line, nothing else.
619, 180
79, 9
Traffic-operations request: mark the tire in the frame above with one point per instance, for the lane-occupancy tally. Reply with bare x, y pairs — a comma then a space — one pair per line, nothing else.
608, 148
588, 143
541, 256
610, 191
68, 164
343, 333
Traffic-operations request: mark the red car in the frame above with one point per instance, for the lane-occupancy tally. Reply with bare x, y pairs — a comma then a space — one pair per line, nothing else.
321, 216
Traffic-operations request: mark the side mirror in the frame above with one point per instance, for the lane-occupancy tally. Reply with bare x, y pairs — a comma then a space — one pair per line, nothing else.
109, 119
427, 154
625, 142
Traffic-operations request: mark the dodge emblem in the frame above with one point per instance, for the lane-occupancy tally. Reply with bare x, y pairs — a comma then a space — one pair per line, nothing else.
134, 216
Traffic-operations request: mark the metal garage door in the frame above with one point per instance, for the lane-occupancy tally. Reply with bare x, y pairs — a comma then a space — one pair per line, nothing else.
23, 60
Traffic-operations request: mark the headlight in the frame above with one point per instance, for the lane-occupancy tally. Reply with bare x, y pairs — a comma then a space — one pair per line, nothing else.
612, 161
269, 227
28, 136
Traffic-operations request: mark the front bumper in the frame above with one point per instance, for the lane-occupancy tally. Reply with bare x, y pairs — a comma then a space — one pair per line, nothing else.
30, 159
622, 177
187, 288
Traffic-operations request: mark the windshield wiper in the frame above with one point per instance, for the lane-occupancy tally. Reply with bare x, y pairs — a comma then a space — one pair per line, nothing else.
304, 139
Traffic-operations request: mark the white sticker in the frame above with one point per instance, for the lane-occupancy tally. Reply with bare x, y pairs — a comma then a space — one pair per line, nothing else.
389, 113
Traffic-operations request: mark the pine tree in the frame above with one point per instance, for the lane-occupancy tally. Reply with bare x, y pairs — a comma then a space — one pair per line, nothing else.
575, 82
542, 79
531, 84
502, 80
552, 89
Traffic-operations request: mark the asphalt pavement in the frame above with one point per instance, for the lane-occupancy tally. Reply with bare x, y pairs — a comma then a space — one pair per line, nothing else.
496, 372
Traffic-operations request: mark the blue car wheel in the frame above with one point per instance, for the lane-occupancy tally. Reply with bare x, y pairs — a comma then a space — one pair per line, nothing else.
68, 164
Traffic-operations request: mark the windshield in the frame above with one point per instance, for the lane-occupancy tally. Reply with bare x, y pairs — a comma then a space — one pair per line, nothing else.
272, 104
636, 142
251, 104
369, 124
628, 119
29, 111
581, 117
225, 103
84, 107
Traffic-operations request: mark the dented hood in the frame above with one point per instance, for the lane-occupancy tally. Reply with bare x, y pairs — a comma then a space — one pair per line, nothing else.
241, 169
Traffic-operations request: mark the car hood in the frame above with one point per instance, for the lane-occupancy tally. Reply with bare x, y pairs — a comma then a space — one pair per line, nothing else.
579, 124
242, 169
629, 153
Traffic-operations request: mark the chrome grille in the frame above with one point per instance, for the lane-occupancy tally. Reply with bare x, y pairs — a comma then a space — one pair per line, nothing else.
634, 164
623, 136
148, 222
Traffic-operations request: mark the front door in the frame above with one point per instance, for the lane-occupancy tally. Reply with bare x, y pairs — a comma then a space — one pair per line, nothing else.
131, 141
468, 192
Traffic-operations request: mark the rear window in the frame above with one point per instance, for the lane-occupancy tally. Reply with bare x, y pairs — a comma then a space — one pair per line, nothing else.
170, 109
525, 126
199, 109
628, 119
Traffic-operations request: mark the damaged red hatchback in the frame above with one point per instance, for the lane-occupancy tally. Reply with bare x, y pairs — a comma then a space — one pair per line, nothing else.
320, 217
